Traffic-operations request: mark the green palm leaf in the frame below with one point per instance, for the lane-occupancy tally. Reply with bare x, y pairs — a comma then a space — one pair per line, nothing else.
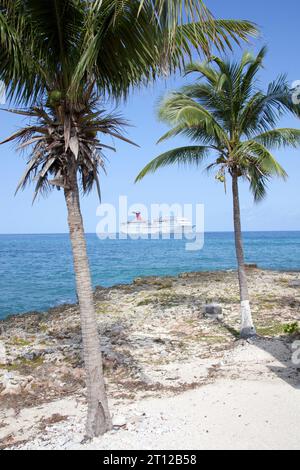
278, 138
251, 152
179, 156
258, 182
180, 110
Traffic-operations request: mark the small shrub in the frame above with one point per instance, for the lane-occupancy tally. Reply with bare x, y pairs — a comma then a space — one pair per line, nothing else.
291, 328
144, 302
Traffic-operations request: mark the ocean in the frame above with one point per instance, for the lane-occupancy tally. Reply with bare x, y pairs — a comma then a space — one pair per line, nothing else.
36, 271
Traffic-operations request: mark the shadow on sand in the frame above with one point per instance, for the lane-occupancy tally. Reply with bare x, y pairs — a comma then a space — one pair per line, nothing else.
285, 351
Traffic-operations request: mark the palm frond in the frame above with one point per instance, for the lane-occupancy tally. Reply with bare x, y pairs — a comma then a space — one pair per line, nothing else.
179, 156
278, 138
254, 64
57, 146
258, 180
204, 69
218, 34
251, 151
263, 110
180, 110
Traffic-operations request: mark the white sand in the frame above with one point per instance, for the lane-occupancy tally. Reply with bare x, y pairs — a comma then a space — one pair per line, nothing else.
253, 404
224, 415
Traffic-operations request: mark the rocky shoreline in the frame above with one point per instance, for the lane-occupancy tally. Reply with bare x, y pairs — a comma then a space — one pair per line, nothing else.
154, 338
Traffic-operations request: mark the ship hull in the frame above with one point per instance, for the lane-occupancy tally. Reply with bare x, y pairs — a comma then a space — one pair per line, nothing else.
142, 228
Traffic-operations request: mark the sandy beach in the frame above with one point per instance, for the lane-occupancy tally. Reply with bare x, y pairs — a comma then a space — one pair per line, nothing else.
175, 378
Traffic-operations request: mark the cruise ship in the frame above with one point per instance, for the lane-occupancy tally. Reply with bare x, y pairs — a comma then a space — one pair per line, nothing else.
160, 226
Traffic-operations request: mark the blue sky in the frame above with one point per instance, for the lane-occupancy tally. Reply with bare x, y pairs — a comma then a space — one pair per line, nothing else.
279, 23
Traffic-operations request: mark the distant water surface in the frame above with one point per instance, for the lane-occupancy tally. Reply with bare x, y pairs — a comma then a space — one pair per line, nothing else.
36, 271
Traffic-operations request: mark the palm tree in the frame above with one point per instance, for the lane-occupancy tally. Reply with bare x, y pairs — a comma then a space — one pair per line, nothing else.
233, 122
58, 58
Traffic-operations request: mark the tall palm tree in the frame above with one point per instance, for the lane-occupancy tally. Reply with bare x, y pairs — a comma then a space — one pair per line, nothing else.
58, 58
232, 122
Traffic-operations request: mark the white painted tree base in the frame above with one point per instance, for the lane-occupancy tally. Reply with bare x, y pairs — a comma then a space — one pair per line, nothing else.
247, 326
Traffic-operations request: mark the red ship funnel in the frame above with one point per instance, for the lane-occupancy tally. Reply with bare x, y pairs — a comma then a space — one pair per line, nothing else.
138, 216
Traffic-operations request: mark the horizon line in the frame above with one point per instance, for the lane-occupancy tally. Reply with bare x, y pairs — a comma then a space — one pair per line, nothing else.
118, 233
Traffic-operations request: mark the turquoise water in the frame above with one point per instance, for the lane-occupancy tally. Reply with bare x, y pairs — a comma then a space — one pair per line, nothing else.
36, 271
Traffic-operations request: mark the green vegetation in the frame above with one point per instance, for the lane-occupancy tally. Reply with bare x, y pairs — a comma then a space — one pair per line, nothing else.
274, 329
20, 342
145, 302
21, 363
277, 329
291, 328
43, 327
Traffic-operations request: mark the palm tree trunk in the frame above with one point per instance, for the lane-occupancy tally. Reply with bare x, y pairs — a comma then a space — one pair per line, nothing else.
247, 326
98, 419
